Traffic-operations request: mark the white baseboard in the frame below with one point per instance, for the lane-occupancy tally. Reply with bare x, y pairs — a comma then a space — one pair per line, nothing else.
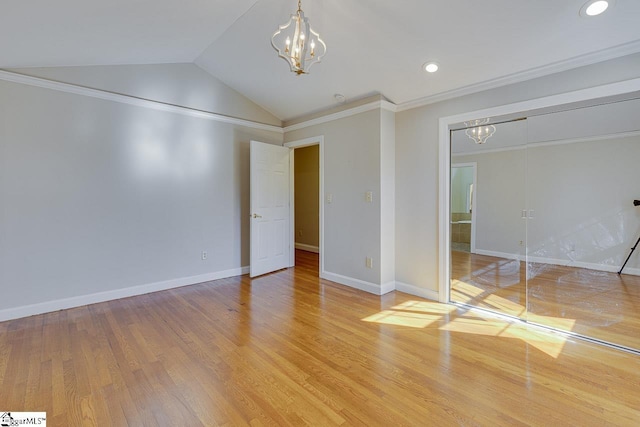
388, 287
78, 301
563, 262
380, 290
414, 290
372, 288
588, 265
308, 248
499, 254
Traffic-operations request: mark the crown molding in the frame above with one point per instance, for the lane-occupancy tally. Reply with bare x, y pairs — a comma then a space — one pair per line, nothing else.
186, 111
556, 67
389, 106
132, 100
550, 143
576, 62
383, 105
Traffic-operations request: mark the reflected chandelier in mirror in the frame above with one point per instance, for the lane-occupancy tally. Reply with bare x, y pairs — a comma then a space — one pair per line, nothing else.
479, 130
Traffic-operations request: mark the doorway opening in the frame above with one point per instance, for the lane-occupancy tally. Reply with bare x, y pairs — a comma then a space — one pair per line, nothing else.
307, 204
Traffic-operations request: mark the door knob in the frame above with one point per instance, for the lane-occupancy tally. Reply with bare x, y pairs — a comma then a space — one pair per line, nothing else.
255, 216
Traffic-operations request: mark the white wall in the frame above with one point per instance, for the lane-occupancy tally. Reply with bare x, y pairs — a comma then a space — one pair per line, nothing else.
580, 188
417, 158
582, 194
598, 120
177, 84
352, 226
500, 198
82, 173
99, 197
387, 199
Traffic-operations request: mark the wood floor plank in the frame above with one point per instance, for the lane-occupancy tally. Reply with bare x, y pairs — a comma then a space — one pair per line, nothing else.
291, 349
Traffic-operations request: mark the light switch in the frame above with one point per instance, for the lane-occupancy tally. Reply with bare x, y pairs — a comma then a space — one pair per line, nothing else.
368, 196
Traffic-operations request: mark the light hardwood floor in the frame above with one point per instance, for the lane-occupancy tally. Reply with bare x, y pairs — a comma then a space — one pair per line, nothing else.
597, 304
291, 349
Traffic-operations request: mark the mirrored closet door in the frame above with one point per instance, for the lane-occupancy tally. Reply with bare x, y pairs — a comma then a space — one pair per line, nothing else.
551, 218
583, 174
489, 272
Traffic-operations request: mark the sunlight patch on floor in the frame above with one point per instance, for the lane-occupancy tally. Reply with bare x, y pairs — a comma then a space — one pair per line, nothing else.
404, 318
503, 305
546, 342
561, 323
464, 289
471, 294
425, 307
413, 314
421, 314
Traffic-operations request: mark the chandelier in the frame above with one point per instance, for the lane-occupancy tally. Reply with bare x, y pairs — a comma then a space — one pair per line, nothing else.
479, 130
298, 44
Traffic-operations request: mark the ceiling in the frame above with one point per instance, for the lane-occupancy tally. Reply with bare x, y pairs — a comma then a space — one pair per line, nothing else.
507, 135
583, 121
373, 46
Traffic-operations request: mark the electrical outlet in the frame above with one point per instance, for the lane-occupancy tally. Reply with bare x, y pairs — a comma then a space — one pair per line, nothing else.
521, 243
368, 196
329, 198
204, 255
299, 233
368, 262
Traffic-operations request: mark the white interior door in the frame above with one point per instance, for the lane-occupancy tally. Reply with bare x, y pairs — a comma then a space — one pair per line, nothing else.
270, 213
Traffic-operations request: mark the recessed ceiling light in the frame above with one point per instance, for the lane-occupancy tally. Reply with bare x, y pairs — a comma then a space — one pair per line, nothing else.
339, 98
431, 67
595, 7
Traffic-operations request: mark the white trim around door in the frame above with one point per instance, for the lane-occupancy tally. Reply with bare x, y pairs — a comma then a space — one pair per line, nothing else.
316, 140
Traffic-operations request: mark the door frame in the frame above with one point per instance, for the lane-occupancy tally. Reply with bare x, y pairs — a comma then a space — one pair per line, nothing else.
473, 165
444, 165
301, 143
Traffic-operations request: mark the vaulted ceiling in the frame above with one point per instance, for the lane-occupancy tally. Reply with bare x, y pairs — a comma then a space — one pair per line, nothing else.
374, 46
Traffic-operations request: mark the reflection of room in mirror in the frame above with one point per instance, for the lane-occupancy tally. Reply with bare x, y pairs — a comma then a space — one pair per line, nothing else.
555, 221
462, 184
